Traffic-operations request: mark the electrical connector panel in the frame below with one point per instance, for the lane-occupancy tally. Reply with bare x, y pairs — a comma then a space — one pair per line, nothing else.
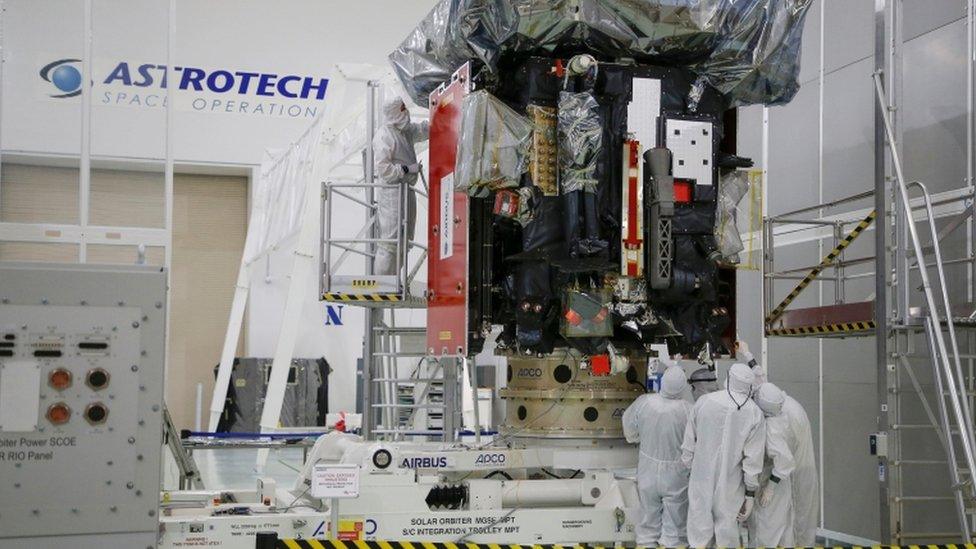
543, 165
81, 404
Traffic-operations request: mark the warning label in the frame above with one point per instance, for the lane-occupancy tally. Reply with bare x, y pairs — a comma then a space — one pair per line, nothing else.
447, 216
577, 524
335, 481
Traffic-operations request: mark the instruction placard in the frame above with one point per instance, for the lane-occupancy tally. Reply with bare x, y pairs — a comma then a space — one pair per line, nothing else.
447, 216
335, 480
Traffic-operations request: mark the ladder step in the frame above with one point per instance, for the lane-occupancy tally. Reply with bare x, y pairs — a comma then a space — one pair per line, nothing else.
919, 426
408, 406
405, 330
929, 535
408, 379
410, 432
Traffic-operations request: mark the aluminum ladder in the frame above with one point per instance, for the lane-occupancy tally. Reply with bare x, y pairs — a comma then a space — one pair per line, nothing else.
410, 394
954, 421
189, 472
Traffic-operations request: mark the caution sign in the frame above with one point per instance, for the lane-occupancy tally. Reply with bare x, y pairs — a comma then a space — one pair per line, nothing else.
336, 480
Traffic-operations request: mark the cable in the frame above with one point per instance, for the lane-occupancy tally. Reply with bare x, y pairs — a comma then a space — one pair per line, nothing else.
295, 503
554, 475
499, 472
550, 473
292, 467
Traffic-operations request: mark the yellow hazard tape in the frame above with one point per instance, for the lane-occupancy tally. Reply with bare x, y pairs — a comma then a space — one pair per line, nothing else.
338, 544
827, 261
847, 327
360, 297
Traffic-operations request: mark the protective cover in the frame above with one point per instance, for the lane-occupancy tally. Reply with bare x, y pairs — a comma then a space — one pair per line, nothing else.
733, 186
493, 149
514, 204
303, 405
580, 141
747, 49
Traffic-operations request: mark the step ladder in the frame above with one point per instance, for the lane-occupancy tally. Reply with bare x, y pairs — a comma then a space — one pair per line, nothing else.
189, 473
952, 419
409, 390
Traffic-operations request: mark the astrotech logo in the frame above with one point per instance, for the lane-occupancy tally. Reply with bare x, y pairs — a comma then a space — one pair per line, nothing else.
64, 76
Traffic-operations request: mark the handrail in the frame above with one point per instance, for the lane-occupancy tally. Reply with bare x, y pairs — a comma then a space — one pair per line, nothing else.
828, 205
960, 406
940, 269
827, 261
844, 263
787, 221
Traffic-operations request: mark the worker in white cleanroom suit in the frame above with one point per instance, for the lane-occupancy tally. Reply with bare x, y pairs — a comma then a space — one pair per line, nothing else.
724, 445
657, 421
396, 167
787, 513
743, 353
703, 381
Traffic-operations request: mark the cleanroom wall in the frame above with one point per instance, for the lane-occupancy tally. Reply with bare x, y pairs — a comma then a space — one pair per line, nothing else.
819, 148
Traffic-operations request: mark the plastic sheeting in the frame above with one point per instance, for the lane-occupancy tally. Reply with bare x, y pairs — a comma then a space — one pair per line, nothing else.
279, 194
733, 215
493, 147
747, 49
731, 189
580, 141
301, 406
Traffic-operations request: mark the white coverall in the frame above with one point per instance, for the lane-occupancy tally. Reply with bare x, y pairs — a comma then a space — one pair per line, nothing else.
395, 163
724, 445
790, 518
658, 422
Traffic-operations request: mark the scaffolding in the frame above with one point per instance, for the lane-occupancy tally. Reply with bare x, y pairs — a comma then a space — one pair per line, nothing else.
914, 316
405, 393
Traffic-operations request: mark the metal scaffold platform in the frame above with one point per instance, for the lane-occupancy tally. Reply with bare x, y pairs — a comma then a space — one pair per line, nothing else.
407, 395
923, 326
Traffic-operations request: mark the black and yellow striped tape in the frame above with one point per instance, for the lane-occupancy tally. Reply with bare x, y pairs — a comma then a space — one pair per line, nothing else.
827, 261
338, 544
847, 327
360, 297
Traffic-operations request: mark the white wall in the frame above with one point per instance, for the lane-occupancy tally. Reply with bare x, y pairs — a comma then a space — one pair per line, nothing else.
821, 148
305, 38
299, 37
